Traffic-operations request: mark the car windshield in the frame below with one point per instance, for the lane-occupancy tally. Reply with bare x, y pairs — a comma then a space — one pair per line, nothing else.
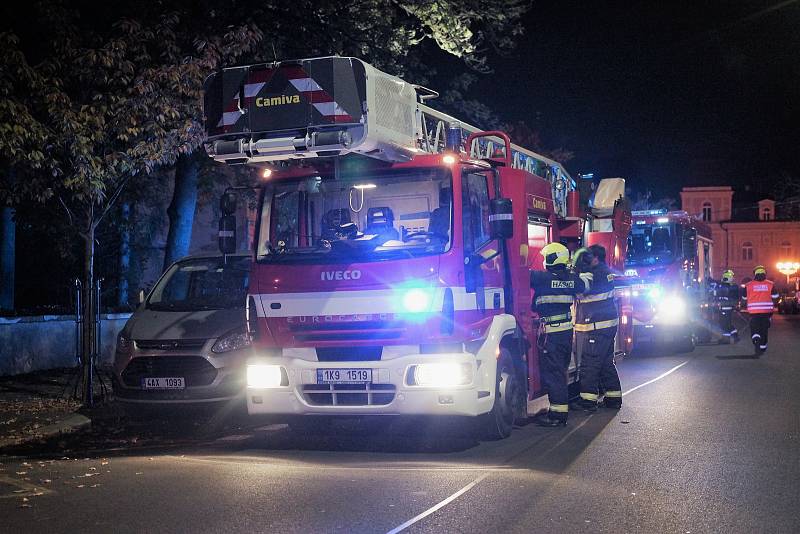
202, 284
369, 217
651, 244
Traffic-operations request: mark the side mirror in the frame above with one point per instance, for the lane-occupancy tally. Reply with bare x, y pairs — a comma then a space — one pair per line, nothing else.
142, 296
689, 244
227, 234
227, 203
501, 218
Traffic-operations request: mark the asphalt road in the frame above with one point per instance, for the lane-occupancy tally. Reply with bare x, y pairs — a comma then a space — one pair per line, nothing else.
705, 442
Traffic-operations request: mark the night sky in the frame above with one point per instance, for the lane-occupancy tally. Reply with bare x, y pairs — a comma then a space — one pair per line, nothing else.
664, 94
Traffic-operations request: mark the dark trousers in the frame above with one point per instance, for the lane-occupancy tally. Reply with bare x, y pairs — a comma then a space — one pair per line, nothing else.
726, 321
555, 352
759, 325
597, 364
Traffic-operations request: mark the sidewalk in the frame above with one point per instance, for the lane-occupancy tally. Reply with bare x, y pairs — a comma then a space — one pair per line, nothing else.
37, 406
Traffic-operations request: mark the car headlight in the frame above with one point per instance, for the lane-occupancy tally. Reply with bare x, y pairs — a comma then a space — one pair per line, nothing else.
443, 374
233, 341
416, 300
266, 376
672, 309
123, 343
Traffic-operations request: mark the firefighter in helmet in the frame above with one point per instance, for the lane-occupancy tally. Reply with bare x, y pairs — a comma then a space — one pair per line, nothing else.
726, 294
554, 291
760, 296
596, 325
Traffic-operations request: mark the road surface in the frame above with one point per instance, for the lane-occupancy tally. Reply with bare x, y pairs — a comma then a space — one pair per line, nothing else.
705, 442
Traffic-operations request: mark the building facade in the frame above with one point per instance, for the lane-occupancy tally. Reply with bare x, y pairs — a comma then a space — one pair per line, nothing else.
747, 234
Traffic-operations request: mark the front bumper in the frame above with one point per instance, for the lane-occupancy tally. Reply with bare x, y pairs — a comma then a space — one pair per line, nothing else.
221, 378
389, 393
660, 333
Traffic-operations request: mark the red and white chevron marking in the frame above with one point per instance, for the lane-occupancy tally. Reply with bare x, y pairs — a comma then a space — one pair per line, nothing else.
305, 85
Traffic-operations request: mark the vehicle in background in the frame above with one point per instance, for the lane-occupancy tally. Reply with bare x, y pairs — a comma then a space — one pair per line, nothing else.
787, 303
187, 342
667, 276
394, 246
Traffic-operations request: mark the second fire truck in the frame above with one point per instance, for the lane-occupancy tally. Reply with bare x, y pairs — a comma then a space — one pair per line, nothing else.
393, 246
667, 276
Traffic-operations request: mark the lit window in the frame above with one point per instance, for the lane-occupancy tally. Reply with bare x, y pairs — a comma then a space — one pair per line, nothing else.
766, 214
786, 249
707, 211
747, 250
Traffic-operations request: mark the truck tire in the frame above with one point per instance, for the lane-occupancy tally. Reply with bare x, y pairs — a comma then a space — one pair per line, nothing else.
499, 422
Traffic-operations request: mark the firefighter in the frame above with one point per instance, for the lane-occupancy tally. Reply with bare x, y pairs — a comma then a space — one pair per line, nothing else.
760, 295
596, 324
726, 295
554, 293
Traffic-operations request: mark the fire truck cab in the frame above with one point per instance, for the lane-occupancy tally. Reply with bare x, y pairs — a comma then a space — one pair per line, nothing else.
393, 246
668, 269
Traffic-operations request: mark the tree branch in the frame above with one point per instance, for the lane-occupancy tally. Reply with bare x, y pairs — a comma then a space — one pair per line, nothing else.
112, 200
69, 212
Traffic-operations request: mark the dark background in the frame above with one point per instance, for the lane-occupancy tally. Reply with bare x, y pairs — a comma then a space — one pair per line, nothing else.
665, 94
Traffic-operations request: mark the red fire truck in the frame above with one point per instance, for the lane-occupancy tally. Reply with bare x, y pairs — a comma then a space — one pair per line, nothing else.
393, 246
668, 269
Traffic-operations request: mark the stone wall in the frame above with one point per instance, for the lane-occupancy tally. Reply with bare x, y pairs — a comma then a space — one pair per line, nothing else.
46, 342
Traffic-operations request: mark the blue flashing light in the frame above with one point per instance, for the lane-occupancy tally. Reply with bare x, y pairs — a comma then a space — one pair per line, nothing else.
654, 293
416, 300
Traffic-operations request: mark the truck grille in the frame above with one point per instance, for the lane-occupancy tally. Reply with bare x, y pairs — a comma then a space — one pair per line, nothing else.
170, 344
195, 370
349, 394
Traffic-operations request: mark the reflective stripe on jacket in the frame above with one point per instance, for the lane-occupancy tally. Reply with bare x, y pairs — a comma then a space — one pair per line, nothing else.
759, 296
597, 306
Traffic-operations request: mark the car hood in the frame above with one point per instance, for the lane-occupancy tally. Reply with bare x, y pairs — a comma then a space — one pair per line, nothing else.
203, 324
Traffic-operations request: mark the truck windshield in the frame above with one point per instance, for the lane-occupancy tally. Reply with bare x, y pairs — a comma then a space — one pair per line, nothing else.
369, 217
652, 244
202, 284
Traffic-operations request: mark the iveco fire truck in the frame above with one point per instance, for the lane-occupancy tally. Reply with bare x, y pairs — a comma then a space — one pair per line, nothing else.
393, 246
668, 269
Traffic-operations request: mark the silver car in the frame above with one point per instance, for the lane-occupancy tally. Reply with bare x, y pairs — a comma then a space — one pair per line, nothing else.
186, 343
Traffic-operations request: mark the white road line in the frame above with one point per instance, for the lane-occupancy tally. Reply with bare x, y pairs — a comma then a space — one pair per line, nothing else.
659, 377
475, 482
442, 504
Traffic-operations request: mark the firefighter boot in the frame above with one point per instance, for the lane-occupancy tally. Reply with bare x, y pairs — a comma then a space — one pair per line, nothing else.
550, 419
584, 405
613, 403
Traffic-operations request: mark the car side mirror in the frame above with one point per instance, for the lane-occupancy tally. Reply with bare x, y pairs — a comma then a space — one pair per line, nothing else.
501, 218
689, 244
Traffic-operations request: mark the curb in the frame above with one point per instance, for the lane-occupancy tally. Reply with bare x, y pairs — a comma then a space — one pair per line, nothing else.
70, 424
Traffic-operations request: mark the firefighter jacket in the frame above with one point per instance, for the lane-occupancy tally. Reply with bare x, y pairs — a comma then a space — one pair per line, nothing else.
554, 291
597, 307
759, 295
726, 295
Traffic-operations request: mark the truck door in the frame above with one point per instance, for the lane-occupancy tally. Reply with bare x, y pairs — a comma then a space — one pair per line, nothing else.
485, 280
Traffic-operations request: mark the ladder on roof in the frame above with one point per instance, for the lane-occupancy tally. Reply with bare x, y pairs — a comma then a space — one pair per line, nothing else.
433, 126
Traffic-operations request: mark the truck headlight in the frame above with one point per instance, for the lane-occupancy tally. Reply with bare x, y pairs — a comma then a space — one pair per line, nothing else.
443, 374
262, 376
234, 340
672, 309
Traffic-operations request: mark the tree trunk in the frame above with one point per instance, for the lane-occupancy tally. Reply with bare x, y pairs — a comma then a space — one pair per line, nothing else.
8, 233
124, 255
88, 334
181, 209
